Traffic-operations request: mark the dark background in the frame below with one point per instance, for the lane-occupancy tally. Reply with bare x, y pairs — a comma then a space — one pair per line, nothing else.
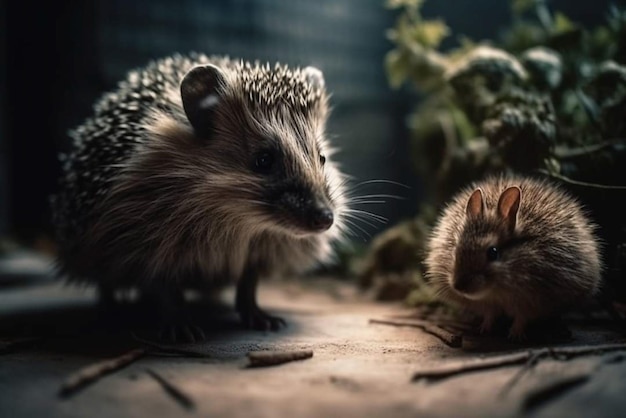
58, 57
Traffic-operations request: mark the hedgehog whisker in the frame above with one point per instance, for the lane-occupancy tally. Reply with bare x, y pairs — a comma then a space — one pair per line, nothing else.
352, 216
352, 223
374, 196
371, 215
347, 231
381, 181
369, 202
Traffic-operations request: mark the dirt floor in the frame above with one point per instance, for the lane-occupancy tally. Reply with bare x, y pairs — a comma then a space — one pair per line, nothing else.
358, 368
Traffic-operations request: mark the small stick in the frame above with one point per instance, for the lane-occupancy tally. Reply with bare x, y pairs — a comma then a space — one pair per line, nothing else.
169, 349
571, 352
558, 353
181, 398
91, 373
466, 367
451, 339
530, 363
440, 320
271, 358
581, 183
541, 395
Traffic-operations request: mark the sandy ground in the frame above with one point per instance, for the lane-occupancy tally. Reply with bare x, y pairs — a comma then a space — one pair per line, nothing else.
358, 369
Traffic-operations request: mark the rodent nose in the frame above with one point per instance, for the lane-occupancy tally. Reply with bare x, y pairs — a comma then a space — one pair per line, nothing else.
322, 219
462, 283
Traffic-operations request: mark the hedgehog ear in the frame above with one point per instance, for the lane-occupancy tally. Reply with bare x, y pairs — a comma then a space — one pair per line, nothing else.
314, 76
508, 205
200, 93
475, 204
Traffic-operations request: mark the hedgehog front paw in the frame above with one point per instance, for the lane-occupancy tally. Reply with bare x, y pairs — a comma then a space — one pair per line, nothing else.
181, 333
254, 317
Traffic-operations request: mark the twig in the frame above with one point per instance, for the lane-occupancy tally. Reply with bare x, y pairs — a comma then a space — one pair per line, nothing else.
558, 353
565, 152
451, 339
566, 353
451, 141
169, 349
181, 398
444, 321
581, 183
466, 367
530, 363
541, 395
91, 373
271, 358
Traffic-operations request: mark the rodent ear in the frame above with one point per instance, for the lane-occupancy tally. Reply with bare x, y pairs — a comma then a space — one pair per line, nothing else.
314, 76
475, 204
200, 93
508, 205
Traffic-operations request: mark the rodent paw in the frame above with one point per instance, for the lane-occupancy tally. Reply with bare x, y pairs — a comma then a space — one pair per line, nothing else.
486, 326
517, 332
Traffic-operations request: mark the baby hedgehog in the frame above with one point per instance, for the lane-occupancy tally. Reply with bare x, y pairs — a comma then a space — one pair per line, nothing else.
196, 170
517, 246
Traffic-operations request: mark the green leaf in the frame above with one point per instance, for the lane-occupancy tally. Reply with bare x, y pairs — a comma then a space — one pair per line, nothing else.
522, 6
397, 67
409, 4
430, 33
426, 33
562, 23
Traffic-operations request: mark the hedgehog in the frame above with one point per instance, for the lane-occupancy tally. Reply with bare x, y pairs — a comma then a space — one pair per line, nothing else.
516, 246
197, 170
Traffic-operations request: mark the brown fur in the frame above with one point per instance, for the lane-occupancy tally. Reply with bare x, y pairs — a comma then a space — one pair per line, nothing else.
549, 253
185, 209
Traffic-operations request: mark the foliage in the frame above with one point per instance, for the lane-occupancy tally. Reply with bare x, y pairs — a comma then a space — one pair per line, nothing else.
548, 97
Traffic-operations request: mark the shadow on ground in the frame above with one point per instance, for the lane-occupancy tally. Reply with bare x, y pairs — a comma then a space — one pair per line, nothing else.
358, 368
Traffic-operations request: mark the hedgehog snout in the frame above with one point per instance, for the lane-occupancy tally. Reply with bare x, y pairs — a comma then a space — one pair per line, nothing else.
321, 217
313, 214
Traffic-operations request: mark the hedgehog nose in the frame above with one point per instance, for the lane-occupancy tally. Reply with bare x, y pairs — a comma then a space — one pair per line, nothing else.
322, 218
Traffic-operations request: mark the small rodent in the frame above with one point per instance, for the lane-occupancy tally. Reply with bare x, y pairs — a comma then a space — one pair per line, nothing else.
517, 246
199, 169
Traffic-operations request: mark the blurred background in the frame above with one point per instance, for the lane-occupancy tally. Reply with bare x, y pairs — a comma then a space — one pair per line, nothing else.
56, 58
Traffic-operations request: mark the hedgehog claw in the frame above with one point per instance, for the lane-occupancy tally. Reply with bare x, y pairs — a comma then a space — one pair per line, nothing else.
181, 333
258, 319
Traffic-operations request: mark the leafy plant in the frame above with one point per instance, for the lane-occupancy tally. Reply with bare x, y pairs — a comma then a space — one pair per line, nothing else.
548, 97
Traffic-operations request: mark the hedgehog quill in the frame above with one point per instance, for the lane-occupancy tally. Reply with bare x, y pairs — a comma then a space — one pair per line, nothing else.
198, 169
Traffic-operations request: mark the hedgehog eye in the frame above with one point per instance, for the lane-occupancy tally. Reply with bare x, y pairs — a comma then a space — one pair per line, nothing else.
264, 162
322, 159
493, 254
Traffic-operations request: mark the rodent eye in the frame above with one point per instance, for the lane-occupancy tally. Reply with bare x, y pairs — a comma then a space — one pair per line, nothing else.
493, 254
264, 162
322, 159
